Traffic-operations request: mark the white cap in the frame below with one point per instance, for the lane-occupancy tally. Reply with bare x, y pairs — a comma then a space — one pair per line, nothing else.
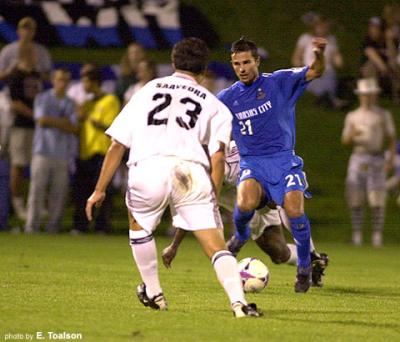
367, 86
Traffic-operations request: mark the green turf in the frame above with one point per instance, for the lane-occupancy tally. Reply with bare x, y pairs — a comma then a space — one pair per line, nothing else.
86, 284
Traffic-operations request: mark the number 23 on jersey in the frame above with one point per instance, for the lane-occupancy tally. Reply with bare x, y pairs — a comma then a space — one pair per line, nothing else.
193, 111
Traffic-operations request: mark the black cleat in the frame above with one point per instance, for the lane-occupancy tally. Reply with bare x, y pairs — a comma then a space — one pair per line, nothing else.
250, 310
303, 279
234, 245
319, 262
158, 302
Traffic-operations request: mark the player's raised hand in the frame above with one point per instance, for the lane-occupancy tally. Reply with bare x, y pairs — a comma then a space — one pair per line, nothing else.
168, 254
96, 199
319, 45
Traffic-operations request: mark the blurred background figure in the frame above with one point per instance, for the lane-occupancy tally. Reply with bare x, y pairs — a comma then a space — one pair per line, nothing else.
367, 129
24, 83
146, 71
324, 88
378, 58
9, 54
54, 114
393, 183
95, 117
6, 121
76, 91
128, 69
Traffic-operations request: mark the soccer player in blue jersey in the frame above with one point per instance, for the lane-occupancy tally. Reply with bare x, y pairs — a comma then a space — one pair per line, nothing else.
263, 127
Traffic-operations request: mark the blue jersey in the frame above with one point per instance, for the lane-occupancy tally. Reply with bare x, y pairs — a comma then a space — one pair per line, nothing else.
264, 112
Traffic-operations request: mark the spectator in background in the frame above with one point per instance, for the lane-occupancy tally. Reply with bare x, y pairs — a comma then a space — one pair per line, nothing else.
324, 87
9, 54
54, 114
77, 91
393, 183
6, 121
24, 83
376, 60
391, 17
368, 129
146, 71
128, 69
95, 116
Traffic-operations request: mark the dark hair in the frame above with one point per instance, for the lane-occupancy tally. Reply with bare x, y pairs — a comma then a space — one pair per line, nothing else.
244, 45
93, 75
190, 54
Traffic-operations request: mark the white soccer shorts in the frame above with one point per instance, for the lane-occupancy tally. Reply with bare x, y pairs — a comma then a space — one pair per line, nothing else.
155, 183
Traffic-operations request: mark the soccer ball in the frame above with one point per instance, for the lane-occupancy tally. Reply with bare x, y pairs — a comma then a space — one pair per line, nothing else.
254, 274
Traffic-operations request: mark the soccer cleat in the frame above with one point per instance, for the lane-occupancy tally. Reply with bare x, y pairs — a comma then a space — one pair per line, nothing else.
303, 279
158, 302
319, 262
234, 245
250, 310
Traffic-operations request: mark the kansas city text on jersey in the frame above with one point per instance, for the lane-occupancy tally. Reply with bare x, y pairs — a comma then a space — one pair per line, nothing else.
254, 111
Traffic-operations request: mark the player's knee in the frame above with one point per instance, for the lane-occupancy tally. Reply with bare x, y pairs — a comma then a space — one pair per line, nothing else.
293, 212
247, 203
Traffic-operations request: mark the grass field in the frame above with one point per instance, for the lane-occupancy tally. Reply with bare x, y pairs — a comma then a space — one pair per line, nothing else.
86, 285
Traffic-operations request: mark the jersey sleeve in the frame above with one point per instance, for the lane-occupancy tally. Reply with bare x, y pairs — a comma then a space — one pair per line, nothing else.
221, 127
119, 128
292, 82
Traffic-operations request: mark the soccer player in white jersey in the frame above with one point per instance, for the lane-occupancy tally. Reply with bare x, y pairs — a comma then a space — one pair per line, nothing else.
370, 130
266, 226
165, 125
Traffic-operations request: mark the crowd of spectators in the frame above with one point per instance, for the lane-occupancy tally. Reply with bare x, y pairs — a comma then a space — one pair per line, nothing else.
58, 131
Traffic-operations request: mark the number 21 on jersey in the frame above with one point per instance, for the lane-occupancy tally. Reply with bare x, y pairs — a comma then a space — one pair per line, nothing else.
245, 127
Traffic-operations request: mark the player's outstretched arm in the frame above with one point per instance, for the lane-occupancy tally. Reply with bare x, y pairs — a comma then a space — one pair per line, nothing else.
111, 162
169, 252
317, 67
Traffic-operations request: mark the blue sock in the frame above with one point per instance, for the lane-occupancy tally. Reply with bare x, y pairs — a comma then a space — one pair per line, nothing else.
301, 232
241, 220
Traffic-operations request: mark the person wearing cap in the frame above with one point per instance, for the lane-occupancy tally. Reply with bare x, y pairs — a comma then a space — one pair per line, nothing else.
376, 61
26, 31
369, 129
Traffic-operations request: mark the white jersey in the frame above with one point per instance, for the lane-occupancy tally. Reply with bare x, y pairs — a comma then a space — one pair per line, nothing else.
372, 126
172, 116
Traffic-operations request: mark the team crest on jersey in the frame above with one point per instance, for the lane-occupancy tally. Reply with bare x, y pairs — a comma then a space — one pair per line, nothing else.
260, 94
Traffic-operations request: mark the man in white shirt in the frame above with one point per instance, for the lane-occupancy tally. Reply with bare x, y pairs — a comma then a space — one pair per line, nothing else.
370, 130
165, 125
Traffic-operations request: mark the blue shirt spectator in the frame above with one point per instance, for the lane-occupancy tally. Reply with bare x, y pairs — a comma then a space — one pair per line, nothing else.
51, 141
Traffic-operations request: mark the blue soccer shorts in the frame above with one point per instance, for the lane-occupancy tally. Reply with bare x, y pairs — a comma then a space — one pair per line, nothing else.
278, 174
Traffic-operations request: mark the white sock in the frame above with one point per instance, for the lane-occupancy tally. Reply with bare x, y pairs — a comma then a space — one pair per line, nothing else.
145, 254
293, 255
226, 268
